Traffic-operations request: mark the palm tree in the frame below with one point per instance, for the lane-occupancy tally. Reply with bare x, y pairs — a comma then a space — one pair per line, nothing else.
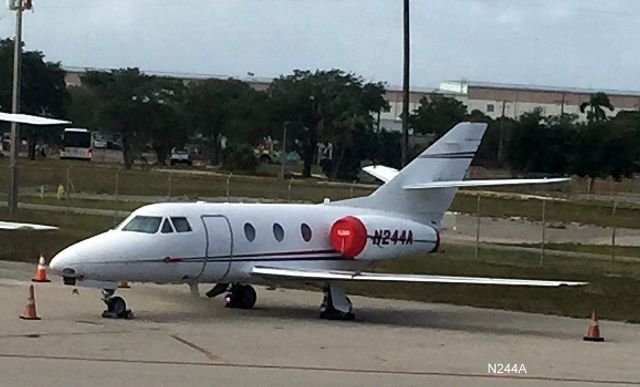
595, 104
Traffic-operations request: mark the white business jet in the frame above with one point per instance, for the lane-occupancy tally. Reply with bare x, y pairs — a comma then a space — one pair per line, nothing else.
235, 245
29, 120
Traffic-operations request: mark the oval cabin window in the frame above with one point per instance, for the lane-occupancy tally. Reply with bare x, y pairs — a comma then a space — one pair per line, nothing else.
278, 232
249, 232
305, 230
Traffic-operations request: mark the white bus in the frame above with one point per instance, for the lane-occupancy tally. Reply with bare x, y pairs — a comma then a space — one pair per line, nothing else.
76, 144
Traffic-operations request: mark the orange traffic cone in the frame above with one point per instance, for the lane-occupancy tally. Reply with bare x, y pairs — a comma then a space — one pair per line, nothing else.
30, 309
123, 285
41, 271
593, 334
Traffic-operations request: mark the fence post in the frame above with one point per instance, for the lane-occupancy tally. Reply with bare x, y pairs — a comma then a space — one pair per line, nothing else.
229, 186
117, 199
351, 188
544, 226
66, 194
613, 235
477, 249
170, 185
290, 187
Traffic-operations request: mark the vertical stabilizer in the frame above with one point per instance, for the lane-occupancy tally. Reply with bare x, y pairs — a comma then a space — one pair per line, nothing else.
447, 159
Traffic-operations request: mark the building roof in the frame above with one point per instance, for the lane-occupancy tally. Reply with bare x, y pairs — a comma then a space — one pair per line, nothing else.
542, 88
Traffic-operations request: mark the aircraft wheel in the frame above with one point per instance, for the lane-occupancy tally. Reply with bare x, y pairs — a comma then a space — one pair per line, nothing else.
241, 296
116, 306
247, 298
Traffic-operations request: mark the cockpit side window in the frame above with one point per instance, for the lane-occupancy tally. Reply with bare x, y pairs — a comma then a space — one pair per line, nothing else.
181, 224
146, 224
166, 227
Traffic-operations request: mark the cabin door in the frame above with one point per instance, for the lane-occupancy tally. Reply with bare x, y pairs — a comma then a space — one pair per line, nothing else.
218, 246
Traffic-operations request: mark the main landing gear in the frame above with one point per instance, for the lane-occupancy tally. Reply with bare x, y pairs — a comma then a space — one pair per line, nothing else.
335, 305
238, 295
241, 296
116, 306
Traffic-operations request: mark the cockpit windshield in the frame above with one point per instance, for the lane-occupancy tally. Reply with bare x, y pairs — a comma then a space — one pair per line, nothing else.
147, 224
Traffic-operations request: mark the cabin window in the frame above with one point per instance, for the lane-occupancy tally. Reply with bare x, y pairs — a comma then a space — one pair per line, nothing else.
305, 230
146, 224
166, 227
278, 232
249, 232
181, 224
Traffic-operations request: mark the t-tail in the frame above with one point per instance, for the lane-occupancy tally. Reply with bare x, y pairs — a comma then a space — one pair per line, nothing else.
425, 188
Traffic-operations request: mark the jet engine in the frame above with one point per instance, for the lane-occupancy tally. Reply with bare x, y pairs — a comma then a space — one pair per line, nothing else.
373, 237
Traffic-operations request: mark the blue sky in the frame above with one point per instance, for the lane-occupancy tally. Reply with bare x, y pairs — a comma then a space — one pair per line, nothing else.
546, 42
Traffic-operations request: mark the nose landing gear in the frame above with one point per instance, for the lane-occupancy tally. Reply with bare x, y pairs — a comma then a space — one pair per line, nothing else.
116, 306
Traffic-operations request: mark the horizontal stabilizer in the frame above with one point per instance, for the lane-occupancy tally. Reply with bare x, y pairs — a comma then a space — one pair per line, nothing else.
30, 120
381, 172
382, 277
25, 226
484, 183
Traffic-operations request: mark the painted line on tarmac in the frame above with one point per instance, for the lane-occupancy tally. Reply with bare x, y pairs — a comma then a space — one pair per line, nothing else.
541, 378
45, 334
210, 355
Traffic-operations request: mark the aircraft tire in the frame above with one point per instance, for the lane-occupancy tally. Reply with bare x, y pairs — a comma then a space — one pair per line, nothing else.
116, 306
246, 297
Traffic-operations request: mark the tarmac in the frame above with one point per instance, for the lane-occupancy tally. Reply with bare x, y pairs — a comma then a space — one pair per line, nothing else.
176, 339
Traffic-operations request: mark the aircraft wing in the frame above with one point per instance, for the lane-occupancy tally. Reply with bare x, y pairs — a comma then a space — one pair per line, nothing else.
25, 226
384, 277
30, 119
381, 172
485, 183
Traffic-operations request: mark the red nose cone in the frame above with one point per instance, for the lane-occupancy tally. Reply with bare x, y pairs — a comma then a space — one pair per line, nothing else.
348, 236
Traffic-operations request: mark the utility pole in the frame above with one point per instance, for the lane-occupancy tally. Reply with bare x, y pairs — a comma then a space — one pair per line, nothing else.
283, 154
405, 88
15, 108
501, 142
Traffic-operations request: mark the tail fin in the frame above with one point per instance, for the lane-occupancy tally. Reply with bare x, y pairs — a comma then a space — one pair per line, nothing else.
445, 160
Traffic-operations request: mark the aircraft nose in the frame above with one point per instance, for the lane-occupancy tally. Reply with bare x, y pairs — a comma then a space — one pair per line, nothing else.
63, 263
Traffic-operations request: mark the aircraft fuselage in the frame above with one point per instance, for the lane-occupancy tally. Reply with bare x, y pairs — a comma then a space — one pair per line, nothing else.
222, 242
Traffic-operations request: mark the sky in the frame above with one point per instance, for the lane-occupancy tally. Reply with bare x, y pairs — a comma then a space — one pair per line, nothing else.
586, 43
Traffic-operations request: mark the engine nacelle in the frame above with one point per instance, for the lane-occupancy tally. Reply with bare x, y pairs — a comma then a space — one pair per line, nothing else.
373, 237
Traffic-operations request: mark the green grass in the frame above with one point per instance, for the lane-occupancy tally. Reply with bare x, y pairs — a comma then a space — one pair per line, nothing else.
100, 178
580, 211
626, 251
26, 245
273, 170
85, 203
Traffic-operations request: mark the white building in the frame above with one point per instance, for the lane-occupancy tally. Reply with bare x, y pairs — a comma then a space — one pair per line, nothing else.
492, 99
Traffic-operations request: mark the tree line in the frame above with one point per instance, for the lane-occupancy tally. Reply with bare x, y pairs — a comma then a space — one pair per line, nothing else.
599, 147
315, 106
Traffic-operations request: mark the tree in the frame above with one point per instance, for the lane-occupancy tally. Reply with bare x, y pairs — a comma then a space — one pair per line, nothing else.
327, 105
596, 103
230, 108
43, 89
540, 144
125, 97
437, 114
